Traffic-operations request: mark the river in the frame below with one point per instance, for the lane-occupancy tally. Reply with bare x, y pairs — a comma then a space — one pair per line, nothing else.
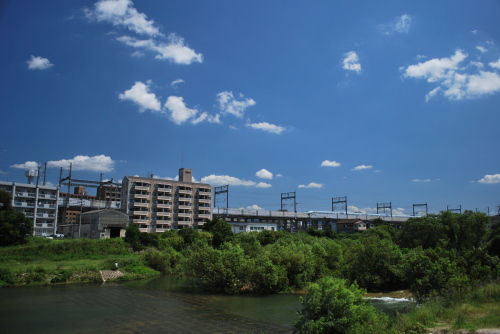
156, 305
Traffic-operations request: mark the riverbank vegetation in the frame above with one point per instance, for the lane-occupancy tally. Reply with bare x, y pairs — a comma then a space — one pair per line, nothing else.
442, 259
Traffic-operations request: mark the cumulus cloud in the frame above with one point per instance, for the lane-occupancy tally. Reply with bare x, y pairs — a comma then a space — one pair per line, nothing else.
489, 179
455, 82
495, 64
351, 62
263, 185
39, 63
418, 180
140, 95
328, 163
204, 116
361, 167
229, 105
266, 127
174, 106
26, 165
254, 207
311, 185
179, 112
355, 209
98, 163
219, 180
122, 13
174, 50
264, 174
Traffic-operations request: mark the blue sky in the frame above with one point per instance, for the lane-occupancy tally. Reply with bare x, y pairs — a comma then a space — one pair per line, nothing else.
387, 101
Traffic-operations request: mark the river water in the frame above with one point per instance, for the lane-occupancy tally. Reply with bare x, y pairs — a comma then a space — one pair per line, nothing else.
148, 306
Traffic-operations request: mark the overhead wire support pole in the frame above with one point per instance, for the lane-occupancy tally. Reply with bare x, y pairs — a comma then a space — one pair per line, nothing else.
222, 190
459, 209
415, 212
384, 206
339, 200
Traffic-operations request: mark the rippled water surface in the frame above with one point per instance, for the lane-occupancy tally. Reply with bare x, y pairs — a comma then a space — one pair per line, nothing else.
147, 306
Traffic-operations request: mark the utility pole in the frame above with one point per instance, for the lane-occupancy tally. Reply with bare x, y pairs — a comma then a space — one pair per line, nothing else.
459, 209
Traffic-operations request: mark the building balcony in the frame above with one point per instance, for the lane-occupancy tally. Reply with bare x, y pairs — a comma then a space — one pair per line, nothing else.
203, 199
163, 221
142, 205
163, 198
45, 215
24, 204
47, 206
141, 187
162, 205
145, 196
140, 221
48, 196
25, 194
163, 214
184, 191
139, 213
163, 190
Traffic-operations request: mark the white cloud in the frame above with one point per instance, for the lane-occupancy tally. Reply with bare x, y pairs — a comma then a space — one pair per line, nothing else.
455, 82
264, 174
436, 69
361, 167
403, 23
495, 64
400, 24
484, 83
482, 49
137, 54
39, 63
254, 207
122, 13
219, 180
204, 116
328, 163
488, 179
418, 180
351, 62
26, 165
311, 185
266, 127
176, 82
174, 50
355, 209
398, 211
140, 95
179, 113
98, 163
263, 185
229, 105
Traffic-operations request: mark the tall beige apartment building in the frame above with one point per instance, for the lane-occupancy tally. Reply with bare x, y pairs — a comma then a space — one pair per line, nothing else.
158, 205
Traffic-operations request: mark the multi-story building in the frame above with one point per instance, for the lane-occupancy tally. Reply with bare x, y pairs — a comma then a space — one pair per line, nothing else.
109, 193
158, 205
36, 202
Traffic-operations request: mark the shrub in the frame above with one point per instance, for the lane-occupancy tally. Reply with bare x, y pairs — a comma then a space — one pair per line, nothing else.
331, 306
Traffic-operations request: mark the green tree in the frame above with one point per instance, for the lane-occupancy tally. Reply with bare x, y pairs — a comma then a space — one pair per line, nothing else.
15, 227
133, 236
331, 306
220, 229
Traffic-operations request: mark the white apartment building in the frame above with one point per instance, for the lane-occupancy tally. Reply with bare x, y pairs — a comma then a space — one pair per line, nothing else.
36, 202
158, 205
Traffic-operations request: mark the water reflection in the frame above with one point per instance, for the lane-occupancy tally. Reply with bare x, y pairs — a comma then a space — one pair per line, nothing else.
149, 306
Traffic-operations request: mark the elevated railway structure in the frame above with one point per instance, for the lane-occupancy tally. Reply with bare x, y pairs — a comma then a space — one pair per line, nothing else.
294, 221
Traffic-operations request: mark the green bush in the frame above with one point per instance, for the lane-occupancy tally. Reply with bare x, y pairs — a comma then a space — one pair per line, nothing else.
332, 306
